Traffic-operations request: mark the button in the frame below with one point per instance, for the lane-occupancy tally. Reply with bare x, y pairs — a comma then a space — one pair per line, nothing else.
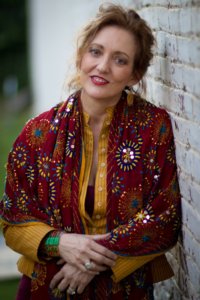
103, 136
99, 203
103, 150
98, 217
100, 189
101, 175
103, 164
107, 122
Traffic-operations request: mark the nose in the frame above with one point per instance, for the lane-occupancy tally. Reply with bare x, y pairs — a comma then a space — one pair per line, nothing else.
103, 65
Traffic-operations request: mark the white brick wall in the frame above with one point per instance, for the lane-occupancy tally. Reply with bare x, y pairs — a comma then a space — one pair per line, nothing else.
173, 82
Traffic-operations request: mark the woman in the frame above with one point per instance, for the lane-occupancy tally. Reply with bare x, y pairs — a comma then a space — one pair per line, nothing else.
92, 200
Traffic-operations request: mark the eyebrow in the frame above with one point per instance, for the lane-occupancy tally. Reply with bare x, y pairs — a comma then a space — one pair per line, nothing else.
102, 48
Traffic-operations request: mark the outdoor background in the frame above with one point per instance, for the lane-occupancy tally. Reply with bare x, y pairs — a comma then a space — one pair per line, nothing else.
37, 42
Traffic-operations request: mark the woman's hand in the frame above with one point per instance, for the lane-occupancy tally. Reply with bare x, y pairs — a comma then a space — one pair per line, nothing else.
71, 278
79, 250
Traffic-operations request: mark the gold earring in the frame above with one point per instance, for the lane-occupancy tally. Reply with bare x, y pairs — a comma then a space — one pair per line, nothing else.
130, 97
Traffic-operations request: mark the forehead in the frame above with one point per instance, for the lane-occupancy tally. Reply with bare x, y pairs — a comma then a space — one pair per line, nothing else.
115, 38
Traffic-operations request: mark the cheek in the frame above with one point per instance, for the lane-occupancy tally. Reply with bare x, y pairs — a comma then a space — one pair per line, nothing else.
85, 63
124, 76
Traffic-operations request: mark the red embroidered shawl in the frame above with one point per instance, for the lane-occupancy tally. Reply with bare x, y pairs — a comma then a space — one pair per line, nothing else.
143, 201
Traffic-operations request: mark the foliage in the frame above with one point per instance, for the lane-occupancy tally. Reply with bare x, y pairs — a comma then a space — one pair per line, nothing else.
13, 42
8, 289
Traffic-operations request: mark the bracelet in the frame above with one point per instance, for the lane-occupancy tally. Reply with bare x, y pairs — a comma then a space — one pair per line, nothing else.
50, 245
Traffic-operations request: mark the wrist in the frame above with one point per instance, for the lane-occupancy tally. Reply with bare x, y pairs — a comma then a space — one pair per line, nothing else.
51, 244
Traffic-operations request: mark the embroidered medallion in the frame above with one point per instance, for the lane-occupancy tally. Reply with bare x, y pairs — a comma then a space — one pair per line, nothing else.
36, 132
129, 203
128, 155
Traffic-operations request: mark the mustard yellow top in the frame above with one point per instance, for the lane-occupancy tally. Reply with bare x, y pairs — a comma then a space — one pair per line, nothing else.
25, 239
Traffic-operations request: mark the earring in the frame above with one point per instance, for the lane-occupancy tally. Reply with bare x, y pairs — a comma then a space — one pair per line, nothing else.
130, 98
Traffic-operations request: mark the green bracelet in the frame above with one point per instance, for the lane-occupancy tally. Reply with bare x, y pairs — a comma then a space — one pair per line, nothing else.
51, 243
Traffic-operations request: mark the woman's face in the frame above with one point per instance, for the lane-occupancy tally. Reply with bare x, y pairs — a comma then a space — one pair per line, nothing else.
107, 64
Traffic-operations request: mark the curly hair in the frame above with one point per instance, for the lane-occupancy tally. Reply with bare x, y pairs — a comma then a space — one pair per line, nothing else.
127, 19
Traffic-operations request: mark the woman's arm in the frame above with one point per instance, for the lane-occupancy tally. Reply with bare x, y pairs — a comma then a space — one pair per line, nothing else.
26, 239
155, 227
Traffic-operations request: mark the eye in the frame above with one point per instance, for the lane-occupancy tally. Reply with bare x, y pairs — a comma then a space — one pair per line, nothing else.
121, 61
95, 51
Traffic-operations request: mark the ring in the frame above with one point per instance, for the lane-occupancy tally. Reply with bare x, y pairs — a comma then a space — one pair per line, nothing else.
71, 291
88, 265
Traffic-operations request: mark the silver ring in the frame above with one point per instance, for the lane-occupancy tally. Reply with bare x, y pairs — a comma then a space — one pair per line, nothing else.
71, 291
88, 265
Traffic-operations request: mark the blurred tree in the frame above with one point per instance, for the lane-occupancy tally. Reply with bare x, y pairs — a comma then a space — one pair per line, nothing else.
13, 46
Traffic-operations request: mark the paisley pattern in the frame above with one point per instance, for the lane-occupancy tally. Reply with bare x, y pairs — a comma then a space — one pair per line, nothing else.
143, 200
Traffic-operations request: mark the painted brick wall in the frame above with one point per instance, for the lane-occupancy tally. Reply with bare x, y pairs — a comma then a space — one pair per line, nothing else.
173, 82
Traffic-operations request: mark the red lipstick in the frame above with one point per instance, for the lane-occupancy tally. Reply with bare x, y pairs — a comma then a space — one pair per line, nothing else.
99, 80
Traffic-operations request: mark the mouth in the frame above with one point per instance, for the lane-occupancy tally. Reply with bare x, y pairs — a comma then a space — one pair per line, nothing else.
97, 80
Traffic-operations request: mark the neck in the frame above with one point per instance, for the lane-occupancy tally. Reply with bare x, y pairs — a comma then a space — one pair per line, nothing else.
96, 108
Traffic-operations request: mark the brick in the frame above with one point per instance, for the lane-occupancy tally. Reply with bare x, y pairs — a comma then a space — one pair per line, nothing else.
190, 190
177, 75
173, 100
190, 216
191, 246
180, 49
187, 132
177, 20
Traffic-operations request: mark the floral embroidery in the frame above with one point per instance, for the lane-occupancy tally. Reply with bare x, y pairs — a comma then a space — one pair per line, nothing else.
70, 147
7, 202
161, 134
52, 192
143, 118
55, 125
38, 276
36, 132
144, 215
129, 203
20, 155
30, 173
171, 155
58, 171
65, 194
44, 166
117, 183
150, 160
23, 201
128, 155
59, 146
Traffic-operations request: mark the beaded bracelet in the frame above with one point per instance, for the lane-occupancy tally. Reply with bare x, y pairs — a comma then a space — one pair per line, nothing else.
49, 246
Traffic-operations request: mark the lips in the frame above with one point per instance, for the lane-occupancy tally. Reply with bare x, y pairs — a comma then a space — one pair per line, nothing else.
99, 80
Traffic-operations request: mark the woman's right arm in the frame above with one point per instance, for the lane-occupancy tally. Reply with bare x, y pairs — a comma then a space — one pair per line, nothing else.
26, 239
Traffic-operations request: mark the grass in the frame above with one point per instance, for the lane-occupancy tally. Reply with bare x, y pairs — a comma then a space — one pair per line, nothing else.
11, 125
8, 289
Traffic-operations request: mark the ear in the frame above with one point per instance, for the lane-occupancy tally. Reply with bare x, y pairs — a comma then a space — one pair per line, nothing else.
135, 79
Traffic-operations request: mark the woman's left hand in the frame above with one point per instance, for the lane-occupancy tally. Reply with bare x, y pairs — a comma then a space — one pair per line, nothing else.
71, 278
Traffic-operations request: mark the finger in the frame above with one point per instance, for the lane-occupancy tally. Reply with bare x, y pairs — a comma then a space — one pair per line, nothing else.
98, 236
55, 280
60, 261
99, 268
103, 250
63, 284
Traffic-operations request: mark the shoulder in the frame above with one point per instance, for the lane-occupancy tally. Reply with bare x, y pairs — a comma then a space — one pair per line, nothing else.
35, 130
143, 105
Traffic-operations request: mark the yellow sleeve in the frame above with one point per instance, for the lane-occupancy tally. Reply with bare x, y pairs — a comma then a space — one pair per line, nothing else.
26, 239
127, 265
